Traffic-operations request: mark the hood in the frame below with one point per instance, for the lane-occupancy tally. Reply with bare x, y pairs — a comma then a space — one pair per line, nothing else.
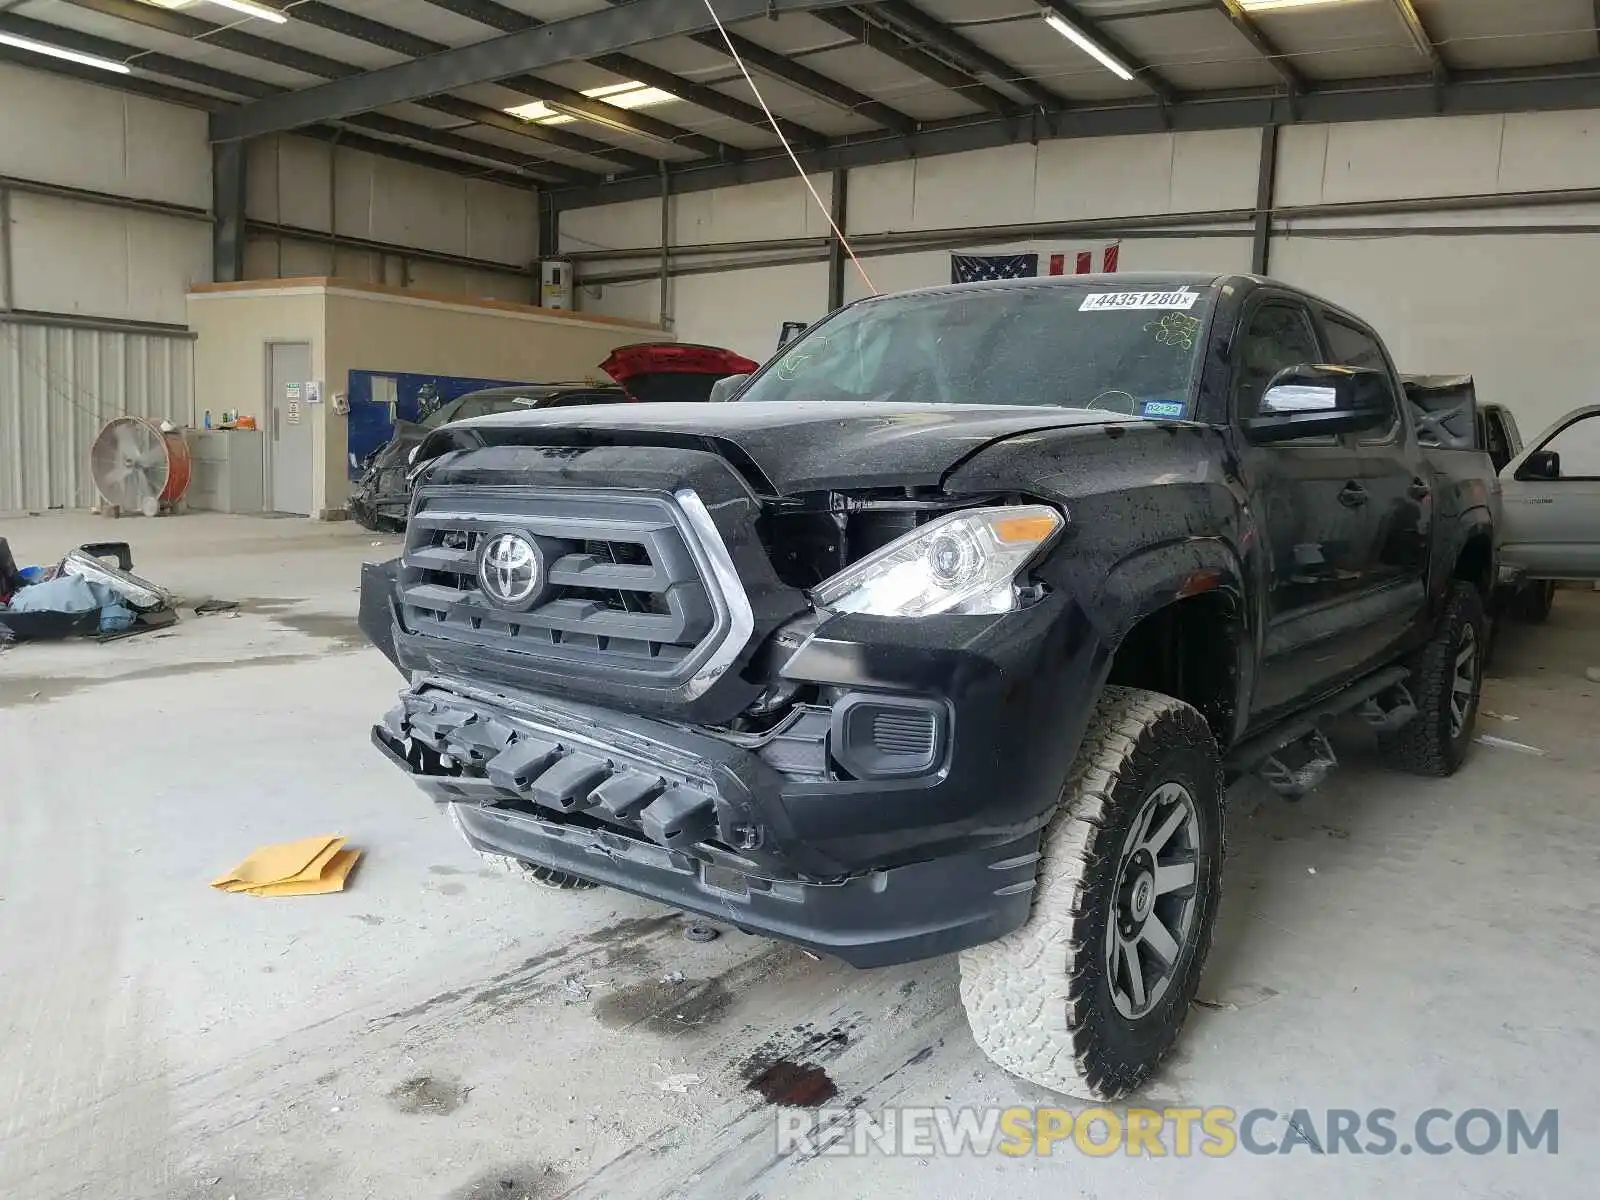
789, 447
672, 372
395, 451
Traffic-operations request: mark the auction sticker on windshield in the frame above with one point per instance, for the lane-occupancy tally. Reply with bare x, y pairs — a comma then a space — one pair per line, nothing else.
1182, 298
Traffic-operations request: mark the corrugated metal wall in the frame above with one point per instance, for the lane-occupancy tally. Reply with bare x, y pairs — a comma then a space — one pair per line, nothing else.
60, 384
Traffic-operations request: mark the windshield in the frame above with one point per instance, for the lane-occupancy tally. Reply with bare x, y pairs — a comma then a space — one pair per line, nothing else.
473, 406
1124, 349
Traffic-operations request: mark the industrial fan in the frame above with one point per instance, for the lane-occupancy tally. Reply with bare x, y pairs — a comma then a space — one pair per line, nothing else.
138, 468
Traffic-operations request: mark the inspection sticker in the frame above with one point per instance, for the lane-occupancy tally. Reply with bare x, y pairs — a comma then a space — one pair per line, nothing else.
1163, 408
1182, 298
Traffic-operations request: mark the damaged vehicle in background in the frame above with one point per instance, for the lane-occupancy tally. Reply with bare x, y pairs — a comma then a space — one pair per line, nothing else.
944, 634
644, 372
1550, 496
1449, 416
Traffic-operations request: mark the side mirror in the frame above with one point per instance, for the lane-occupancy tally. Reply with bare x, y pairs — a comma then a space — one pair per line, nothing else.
1541, 464
1314, 400
723, 389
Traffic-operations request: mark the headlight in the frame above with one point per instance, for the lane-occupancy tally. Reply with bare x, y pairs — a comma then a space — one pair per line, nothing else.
964, 562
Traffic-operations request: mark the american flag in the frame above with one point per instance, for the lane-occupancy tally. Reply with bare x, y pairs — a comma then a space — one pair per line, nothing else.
1084, 261
976, 268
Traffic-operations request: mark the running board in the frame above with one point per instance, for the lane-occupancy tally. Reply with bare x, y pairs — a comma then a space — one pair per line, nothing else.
1250, 754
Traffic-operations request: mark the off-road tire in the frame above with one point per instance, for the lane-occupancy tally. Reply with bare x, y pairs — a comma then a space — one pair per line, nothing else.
1534, 601
1039, 999
546, 876
1426, 745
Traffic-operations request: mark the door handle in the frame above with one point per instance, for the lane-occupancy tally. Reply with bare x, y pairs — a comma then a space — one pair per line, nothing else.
1352, 495
1419, 490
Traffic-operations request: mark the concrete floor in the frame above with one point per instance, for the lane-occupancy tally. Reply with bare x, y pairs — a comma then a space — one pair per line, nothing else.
443, 1031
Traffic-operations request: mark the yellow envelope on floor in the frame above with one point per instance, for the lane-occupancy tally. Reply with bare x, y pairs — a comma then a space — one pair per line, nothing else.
332, 878
274, 864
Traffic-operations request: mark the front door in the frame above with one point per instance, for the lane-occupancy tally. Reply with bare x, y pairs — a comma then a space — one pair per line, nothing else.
1550, 527
1305, 491
288, 371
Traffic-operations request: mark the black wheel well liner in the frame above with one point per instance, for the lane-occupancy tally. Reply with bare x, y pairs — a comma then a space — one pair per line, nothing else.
1475, 563
1190, 649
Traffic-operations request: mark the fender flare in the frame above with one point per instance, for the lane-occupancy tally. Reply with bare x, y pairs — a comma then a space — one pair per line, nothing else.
1158, 577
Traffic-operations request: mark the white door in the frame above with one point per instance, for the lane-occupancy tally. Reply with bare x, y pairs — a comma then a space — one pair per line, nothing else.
1550, 512
288, 370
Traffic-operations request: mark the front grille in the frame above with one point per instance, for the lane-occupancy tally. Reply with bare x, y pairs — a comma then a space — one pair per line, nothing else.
621, 587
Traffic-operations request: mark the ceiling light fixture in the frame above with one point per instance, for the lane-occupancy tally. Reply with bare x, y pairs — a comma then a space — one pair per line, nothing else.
250, 9
1086, 43
88, 60
619, 95
1269, 5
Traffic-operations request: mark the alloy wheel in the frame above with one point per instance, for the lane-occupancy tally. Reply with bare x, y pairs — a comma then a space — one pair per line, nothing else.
1153, 909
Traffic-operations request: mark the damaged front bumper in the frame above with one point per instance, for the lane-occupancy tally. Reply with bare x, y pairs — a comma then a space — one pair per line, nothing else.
658, 811
833, 829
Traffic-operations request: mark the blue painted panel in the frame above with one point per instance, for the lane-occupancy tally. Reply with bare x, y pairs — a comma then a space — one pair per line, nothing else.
371, 424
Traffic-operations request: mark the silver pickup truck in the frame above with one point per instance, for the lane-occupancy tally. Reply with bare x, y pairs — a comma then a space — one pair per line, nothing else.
1549, 489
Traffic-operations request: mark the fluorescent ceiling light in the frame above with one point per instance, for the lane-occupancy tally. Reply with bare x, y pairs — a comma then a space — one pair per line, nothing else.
1087, 44
88, 60
251, 9
622, 95
1269, 5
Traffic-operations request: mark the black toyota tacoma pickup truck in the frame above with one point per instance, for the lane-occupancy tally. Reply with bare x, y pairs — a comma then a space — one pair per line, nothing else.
945, 633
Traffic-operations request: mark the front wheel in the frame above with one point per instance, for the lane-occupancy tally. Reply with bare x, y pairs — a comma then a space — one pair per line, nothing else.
1091, 993
1446, 681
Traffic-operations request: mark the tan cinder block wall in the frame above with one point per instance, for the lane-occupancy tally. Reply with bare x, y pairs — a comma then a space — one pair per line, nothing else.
364, 327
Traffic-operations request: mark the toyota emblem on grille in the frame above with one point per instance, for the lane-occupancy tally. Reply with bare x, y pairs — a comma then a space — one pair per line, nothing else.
510, 570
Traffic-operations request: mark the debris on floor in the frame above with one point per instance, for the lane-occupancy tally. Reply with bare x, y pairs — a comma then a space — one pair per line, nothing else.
206, 607
81, 594
678, 1083
310, 867
1500, 743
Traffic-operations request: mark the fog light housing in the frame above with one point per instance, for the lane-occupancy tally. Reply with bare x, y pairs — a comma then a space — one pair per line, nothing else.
888, 737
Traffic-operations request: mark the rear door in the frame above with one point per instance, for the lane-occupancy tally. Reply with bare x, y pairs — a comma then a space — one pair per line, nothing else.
1394, 511
1550, 528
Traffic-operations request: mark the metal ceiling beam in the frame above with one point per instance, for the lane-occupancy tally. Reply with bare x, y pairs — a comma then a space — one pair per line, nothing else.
581, 37
781, 66
376, 33
344, 136
240, 85
980, 62
445, 140
178, 24
144, 60
1541, 89
154, 89
1144, 74
625, 66
1264, 46
854, 25
1423, 41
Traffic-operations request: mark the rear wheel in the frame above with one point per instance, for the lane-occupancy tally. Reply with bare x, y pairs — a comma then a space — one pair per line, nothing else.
1534, 602
1089, 996
1446, 680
